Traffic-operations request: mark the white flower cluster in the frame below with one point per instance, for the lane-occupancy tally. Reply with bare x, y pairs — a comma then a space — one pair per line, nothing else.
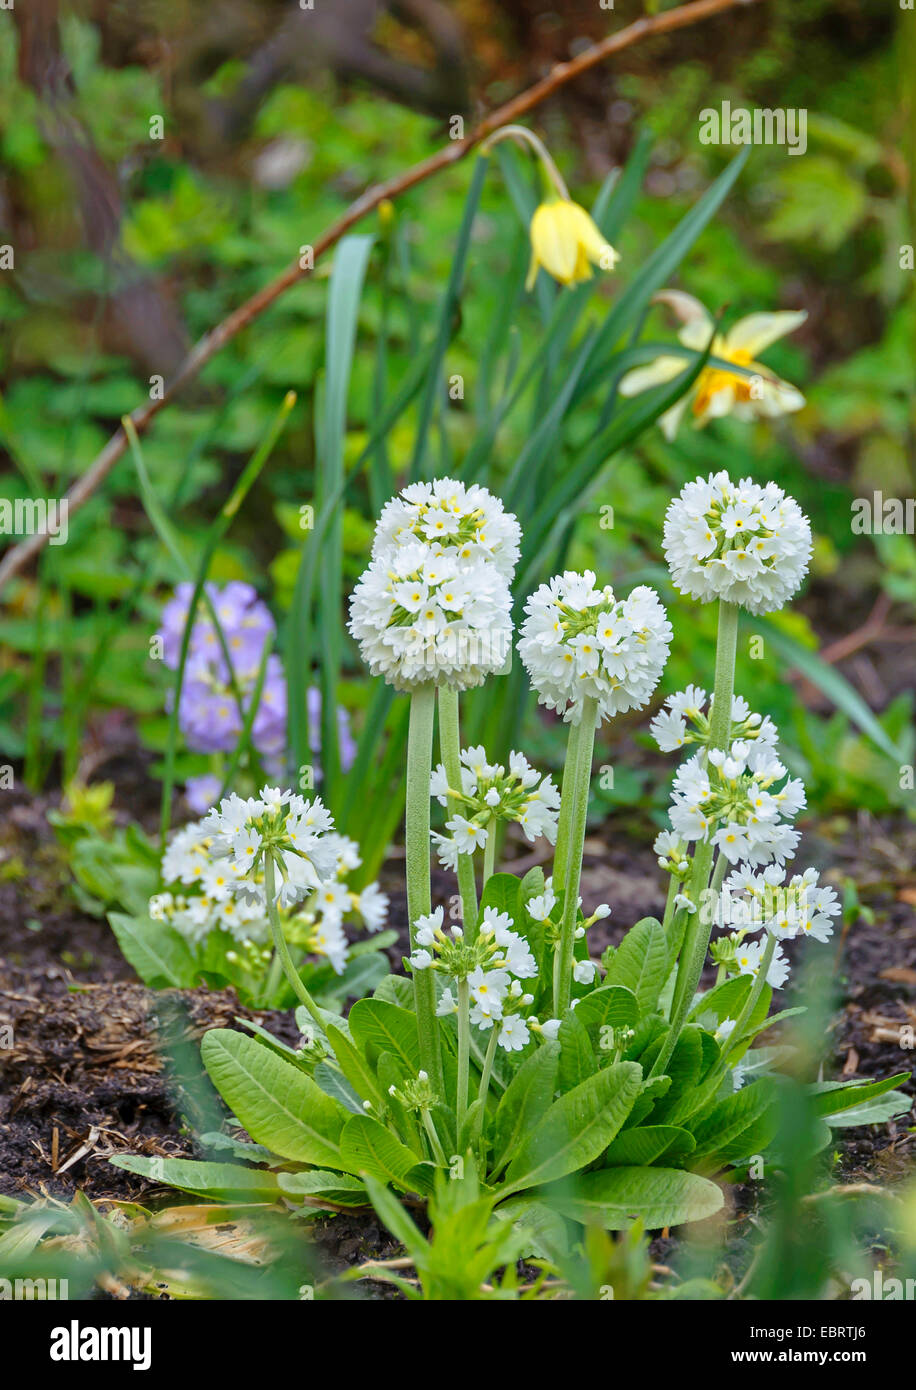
743, 543
683, 721
752, 902
489, 793
434, 604
445, 514
578, 641
493, 966
214, 898
280, 823
732, 798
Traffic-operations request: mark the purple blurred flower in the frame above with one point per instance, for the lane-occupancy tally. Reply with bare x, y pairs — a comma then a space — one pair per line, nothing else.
208, 712
201, 792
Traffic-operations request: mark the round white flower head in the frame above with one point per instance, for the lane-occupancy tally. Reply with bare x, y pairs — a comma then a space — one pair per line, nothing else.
421, 615
579, 641
468, 523
739, 542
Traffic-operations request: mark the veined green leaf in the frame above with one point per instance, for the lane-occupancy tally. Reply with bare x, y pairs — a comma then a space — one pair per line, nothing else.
658, 1197
640, 963
644, 1144
387, 1027
340, 1189
158, 954
366, 1146
576, 1129
526, 1098
279, 1105
230, 1182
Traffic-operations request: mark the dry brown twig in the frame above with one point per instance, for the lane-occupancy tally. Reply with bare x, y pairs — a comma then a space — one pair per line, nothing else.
211, 343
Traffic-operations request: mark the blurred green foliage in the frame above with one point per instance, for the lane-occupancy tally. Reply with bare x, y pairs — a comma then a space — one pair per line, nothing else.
821, 232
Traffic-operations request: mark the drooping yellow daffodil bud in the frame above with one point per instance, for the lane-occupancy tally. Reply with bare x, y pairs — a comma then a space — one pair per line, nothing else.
566, 242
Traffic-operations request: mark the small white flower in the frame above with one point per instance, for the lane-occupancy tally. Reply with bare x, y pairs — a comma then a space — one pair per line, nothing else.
447, 1004
513, 1033
584, 972
372, 906
540, 908
550, 1028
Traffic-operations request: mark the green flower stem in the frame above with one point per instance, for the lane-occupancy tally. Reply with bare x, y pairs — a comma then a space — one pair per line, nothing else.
562, 984
464, 1050
419, 767
718, 873
674, 887
489, 852
273, 980
280, 946
434, 1142
744, 1017
567, 802
450, 748
485, 1078
523, 136
696, 938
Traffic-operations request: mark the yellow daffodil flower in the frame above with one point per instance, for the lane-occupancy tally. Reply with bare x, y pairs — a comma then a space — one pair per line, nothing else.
717, 392
566, 243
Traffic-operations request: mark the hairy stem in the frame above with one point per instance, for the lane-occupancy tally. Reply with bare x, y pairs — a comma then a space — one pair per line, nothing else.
280, 946
464, 1051
562, 984
485, 1078
419, 766
450, 748
744, 1017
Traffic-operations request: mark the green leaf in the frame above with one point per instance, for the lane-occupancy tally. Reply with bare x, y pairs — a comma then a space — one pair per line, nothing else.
577, 1056
722, 1001
158, 954
684, 1067
740, 1124
502, 892
526, 1098
230, 1182
872, 1112
373, 1022
576, 1128
833, 1096
279, 1105
395, 989
640, 963
545, 1231
399, 1223
366, 1146
338, 1188
337, 1087
354, 1067
611, 1006
644, 1144
657, 1197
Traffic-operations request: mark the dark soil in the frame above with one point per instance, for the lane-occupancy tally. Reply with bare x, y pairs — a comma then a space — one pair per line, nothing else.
86, 1077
